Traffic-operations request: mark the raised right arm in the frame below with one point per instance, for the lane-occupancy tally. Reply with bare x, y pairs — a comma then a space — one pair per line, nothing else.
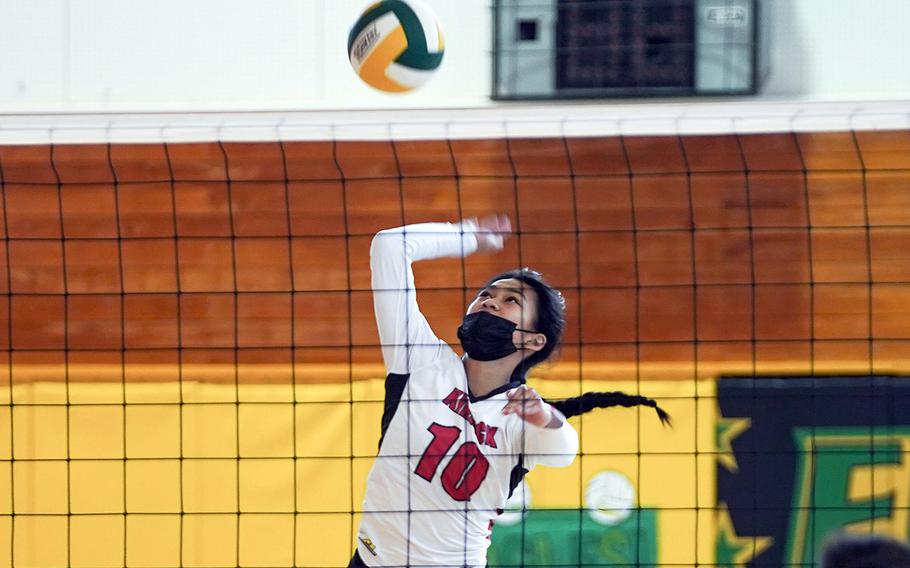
405, 336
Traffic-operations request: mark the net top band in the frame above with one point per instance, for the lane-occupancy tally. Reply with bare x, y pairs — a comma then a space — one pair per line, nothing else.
500, 121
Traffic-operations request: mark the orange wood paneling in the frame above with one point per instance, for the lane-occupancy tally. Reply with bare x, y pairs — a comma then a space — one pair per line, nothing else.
141, 163
654, 155
713, 154
367, 160
82, 163
424, 158
259, 161
27, 164
597, 156
771, 152
32, 210
753, 253
478, 158
313, 161
829, 151
536, 157
885, 150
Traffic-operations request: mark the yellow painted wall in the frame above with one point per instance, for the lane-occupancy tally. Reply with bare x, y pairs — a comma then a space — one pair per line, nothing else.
294, 471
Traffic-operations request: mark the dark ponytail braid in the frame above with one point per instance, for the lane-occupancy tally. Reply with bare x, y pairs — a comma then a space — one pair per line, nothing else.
591, 400
585, 403
551, 308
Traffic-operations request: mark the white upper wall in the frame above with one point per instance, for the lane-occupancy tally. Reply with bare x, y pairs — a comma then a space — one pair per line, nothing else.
233, 55
839, 49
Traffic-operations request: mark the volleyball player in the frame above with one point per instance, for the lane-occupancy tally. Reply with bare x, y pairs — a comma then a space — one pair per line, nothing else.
459, 433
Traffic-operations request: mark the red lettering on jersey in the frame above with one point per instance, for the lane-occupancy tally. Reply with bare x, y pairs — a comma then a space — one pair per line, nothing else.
486, 434
459, 403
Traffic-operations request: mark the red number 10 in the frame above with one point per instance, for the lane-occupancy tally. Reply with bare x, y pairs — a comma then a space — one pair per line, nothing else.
465, 471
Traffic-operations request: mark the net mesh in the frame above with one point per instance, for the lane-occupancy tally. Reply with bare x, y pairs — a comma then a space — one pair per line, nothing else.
192, 374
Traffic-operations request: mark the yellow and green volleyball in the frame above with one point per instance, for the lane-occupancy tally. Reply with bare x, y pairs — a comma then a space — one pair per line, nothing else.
396, 46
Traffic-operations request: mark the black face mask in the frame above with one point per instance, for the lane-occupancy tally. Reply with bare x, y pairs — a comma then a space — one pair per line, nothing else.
486, 337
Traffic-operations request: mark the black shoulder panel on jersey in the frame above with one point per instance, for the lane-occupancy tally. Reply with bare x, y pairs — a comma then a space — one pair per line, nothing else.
394, 388
518, 473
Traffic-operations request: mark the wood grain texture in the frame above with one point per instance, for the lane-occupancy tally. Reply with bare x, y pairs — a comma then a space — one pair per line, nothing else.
680, 256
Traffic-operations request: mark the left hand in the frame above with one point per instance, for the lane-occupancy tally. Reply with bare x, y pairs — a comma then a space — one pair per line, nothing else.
527, 403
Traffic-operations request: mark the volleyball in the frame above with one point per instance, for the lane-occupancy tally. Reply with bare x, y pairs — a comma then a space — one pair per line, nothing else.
610, 497
396, 46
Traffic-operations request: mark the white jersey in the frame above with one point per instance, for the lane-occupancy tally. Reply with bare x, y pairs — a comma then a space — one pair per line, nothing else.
447, 460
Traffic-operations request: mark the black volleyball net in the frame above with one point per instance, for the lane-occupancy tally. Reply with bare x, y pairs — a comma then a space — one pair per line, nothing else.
192, 375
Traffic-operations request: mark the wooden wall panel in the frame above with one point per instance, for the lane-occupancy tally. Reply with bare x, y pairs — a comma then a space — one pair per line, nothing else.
424, 158
32, 210
536, 157
885, 150
704, 254
598, 156
27, 164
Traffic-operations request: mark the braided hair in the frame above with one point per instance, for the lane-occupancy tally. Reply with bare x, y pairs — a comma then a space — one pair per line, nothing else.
585, 403
591, 400
551, 321
551, 308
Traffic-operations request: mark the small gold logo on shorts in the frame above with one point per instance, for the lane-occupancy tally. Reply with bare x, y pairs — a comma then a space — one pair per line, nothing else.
369, 544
